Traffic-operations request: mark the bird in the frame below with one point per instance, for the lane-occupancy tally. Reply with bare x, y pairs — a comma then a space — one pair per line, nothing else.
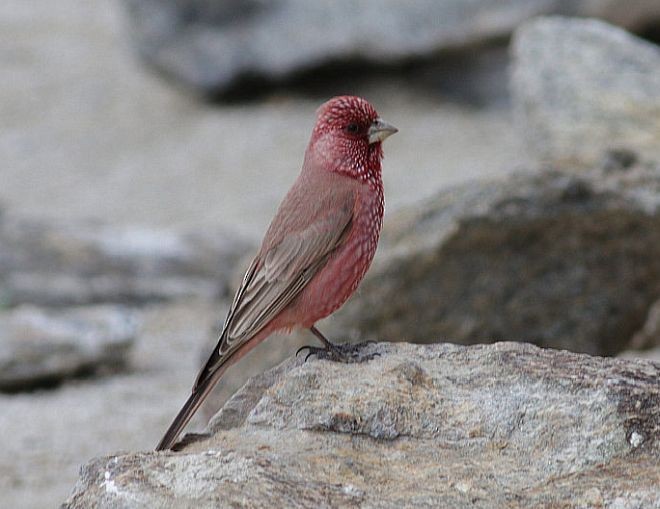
316, 250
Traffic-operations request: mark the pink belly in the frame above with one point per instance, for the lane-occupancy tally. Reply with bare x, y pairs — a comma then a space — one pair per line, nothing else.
331, 287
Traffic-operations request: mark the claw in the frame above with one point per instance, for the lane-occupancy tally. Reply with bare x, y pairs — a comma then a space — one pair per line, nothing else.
346, 353
313, 350
301, 349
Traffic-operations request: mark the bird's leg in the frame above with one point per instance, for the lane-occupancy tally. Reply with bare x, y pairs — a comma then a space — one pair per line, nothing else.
329, 345
315, 350
346, 353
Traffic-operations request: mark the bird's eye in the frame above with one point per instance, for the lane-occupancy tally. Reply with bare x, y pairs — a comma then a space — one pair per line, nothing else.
352, 128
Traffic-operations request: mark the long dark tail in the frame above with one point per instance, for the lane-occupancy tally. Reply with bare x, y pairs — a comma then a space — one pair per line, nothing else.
200, 391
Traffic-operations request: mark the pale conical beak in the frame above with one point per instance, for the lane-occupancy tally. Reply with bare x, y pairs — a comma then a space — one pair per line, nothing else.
380, 130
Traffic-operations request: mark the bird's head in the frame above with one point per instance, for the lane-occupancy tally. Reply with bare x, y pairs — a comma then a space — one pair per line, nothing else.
348, 135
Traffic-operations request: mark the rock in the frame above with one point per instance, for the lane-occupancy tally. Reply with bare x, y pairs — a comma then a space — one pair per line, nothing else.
650, 355
583, 87
649, 335
504, 425
559, 259
55, 431
40, 348
217, 46
64, 264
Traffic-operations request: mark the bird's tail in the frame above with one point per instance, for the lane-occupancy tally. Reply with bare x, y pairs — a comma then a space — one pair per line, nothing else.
201, 390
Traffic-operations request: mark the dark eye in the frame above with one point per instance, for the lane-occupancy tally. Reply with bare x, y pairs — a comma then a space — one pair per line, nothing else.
352, 128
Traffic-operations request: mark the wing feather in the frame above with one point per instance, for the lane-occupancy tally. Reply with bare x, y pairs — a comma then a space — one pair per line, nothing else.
286, 270
276, 277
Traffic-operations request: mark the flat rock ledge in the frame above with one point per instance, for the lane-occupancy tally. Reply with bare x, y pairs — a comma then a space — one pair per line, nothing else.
438, 425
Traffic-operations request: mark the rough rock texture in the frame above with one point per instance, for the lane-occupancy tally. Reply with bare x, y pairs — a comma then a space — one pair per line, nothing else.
212, 45
41, 348
504, 425
558, 259
583, 87
61, 264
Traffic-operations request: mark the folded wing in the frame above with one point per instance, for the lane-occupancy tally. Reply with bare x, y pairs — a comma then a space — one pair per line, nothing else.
276, 277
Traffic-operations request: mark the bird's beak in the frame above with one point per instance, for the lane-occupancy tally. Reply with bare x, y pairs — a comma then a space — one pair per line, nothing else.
380, 130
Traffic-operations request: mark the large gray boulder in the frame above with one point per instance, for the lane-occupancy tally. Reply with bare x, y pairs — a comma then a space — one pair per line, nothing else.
213, 45
446, 426
40, 348
583, 87
555, 258
55, 263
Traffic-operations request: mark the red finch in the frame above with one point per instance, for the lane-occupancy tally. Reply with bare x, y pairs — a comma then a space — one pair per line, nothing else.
317, 248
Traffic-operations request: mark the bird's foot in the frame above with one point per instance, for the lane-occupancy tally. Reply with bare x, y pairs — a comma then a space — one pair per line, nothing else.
347, 353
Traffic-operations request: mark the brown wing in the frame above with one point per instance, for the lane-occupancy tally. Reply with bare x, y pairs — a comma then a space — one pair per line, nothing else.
275, 277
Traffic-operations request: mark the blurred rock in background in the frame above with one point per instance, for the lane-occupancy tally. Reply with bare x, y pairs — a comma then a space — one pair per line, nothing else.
649, 335
216, 47
561, 260
583, 87
58, 263
41, 348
